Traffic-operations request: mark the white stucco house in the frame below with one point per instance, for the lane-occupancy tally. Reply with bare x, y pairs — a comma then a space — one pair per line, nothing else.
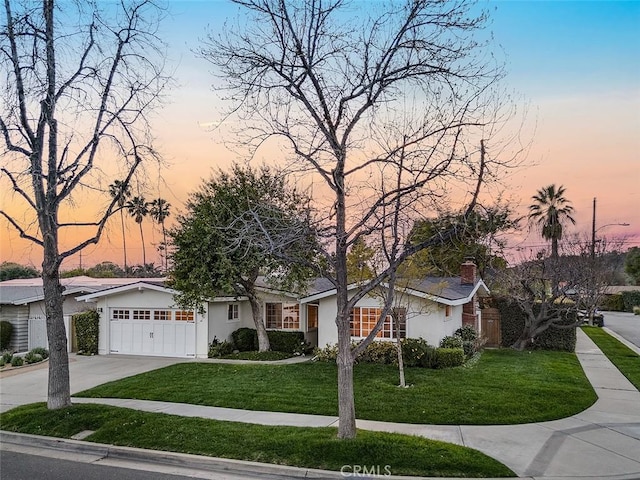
140, 316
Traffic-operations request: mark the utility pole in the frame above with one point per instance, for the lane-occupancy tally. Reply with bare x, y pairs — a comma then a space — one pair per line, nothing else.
593, 231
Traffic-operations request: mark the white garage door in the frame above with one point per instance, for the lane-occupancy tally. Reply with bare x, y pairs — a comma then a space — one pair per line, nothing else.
162, 332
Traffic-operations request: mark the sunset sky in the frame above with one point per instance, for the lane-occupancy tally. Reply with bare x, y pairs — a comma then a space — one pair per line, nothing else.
576, 64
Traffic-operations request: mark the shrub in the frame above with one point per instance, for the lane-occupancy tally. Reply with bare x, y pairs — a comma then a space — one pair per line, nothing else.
630, 300
288, 342
7, 356
385, 353
32, 357
219, 349
451, 341
414, 350
467, 333
17, 362
41, 351
327, 354
86, 324
471, 343
430, 358
245, 339
6, 330
636, 310
449, 357
268, 356
613, 303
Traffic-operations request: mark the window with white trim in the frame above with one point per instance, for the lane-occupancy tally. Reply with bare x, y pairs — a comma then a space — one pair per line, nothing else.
163, 315
184, 315
363, 320
120, 314
141, 315
233, 312
282, 316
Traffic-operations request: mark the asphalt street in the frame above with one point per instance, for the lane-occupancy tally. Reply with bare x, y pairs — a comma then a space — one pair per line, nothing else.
627, 325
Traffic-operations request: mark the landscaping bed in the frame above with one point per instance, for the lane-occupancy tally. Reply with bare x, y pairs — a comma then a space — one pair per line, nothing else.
502, 387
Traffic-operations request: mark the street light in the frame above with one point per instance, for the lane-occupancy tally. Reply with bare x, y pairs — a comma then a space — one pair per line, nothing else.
593, 229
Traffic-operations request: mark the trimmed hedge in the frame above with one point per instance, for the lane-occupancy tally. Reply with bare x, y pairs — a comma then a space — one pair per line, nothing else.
449, 357
613, 303
512, 324
6, 330
246, 340
288, 342
630, 300
86, 324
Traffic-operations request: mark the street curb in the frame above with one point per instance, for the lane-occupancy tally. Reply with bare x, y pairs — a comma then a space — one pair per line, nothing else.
184, 460
624, 341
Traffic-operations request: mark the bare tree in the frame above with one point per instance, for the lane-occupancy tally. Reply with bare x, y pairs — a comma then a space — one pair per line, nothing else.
378, 104
78, 81
553, 292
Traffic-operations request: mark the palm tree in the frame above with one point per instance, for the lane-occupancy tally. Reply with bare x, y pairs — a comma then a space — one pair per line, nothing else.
159, 212
138, 208
550, 211
121, 192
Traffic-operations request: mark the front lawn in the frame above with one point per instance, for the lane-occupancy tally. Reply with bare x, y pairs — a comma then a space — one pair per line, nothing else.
302, 447
504, 387
625, 359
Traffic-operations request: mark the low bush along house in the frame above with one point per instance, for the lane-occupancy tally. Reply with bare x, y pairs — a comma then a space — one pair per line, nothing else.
142, 318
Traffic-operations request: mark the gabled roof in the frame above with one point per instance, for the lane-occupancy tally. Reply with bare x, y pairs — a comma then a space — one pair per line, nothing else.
141, 285
445, 290
22, 291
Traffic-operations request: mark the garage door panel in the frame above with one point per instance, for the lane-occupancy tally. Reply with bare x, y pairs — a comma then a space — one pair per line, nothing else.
174, 338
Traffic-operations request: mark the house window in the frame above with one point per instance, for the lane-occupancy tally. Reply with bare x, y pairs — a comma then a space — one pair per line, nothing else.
141, 314
312, 317
162, 315
447, 310
184, 315
363, 321
120, 314
285, 316
233, 312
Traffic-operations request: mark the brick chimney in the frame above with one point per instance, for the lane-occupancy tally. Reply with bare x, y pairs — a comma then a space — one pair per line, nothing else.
468, 273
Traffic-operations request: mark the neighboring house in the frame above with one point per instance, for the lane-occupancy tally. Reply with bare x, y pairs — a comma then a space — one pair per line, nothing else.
22, 304
140, 316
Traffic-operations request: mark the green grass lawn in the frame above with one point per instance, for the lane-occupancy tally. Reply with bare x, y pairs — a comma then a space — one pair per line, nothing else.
504, 387
302, 447
625, 359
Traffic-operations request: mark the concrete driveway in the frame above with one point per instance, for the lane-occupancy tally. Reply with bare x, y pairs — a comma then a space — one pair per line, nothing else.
29, 384
627, 325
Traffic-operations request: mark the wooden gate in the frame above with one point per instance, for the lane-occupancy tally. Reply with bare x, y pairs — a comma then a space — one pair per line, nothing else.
491, 326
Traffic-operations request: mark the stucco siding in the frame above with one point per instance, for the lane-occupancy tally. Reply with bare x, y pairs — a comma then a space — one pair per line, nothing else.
425, 319
219, 325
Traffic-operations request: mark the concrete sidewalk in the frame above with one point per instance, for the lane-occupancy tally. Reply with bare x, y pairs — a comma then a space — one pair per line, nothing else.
603, 441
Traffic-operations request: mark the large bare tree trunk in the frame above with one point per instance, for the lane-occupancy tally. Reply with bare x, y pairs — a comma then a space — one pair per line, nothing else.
346, 404
263, 338
59, 385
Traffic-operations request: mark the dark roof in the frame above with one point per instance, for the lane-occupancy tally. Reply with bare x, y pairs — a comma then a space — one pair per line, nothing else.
443, 287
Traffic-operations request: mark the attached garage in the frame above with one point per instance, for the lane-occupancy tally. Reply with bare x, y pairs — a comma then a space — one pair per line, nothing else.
144, 331
142, 319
